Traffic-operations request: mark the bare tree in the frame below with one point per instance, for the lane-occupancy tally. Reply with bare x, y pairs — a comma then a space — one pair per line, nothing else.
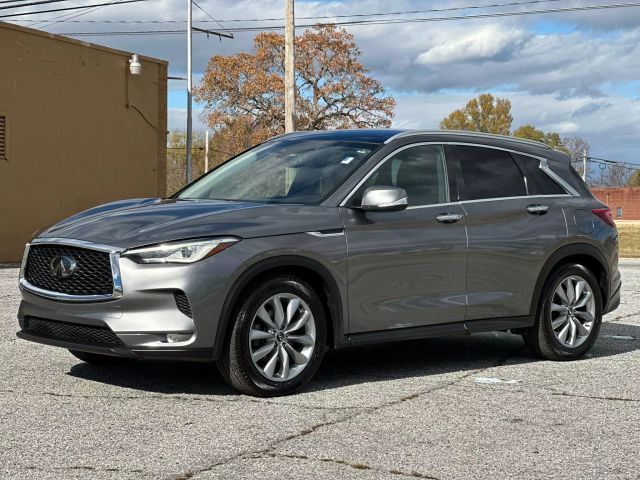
615, 175
575, 148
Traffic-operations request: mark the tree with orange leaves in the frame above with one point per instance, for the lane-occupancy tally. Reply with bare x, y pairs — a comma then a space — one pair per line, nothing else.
244, 93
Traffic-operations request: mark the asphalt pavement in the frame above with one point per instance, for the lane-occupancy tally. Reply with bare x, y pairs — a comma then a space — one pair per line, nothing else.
476, 407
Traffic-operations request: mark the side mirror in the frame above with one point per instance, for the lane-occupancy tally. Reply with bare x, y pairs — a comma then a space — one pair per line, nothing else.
384, 199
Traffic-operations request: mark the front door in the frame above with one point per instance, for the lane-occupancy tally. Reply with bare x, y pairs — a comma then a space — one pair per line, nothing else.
407, 268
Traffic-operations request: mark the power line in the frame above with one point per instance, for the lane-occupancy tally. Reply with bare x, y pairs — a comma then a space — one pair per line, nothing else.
200, 148
213, 19
19, 14
11, 1
65, 16
614, 163
324, 17
407, 12
30, 4
465, 17
378, 22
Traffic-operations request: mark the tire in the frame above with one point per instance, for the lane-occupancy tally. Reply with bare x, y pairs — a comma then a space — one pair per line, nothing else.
97, 359
548, 342
244, 364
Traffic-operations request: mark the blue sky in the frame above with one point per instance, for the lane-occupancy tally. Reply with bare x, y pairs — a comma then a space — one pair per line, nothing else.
575, 73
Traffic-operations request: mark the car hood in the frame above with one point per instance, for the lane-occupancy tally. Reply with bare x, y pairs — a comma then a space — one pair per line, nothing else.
133, 223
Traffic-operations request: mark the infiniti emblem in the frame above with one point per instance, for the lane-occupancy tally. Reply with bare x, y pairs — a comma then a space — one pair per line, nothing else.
62, 266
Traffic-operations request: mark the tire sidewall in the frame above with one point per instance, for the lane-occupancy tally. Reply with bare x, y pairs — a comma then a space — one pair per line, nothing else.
240, 337
545, 310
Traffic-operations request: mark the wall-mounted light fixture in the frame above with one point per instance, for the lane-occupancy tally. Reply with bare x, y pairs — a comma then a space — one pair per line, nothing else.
135, 67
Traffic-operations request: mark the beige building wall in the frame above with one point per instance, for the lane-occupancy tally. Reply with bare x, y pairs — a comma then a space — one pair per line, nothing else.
79, 130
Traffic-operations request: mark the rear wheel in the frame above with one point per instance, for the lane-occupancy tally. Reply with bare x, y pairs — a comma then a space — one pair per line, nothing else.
569, 316
278, 338
97, 359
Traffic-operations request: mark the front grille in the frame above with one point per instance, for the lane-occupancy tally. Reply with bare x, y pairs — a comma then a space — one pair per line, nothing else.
71, 332
91, 277
183, 303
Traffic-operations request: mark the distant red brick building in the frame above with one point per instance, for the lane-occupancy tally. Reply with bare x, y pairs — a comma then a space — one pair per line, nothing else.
623, 201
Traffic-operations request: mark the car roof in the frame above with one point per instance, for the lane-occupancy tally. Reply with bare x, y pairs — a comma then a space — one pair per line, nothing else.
387, 135
556, 159
375, 135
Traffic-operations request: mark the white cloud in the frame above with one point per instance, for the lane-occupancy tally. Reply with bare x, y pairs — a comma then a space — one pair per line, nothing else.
487, 42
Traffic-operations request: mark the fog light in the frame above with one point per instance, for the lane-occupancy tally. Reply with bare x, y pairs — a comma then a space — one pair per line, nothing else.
178, 337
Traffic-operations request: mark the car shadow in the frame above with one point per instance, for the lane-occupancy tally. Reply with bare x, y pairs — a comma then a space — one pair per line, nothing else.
349, 366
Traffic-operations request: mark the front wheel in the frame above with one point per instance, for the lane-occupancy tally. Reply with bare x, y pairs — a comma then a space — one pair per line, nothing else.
569, 316
278, 338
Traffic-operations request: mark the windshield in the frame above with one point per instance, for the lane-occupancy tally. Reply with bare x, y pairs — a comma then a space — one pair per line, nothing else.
282, 171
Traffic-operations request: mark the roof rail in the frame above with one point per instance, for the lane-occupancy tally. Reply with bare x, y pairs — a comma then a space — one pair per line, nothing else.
465, 133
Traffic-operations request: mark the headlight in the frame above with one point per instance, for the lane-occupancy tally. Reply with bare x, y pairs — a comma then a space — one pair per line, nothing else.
188, 251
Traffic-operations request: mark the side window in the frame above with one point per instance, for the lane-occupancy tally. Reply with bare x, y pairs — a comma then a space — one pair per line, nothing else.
420, 170
489, 173
539, 182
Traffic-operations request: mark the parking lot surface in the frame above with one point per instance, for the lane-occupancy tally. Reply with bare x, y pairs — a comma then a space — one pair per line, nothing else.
455, 407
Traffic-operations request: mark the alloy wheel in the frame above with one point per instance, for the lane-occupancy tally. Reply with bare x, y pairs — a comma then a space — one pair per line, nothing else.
572, 311
282, 337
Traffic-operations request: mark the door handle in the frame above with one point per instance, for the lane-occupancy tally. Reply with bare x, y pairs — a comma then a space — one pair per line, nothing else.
448, 217
537, 209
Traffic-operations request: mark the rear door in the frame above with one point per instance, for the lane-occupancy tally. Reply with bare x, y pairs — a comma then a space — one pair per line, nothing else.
511, 228
407, 268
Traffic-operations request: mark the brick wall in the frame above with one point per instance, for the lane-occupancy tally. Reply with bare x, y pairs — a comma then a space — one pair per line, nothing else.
626, 198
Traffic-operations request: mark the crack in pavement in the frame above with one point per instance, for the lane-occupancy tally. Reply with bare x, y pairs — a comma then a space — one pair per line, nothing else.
622, 317
123, 397
537, 389
594, 397
170, 397
357, 466
83, 468
356, 373
368, 410
309, 407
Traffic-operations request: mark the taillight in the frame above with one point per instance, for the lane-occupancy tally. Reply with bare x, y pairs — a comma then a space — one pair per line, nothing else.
606, 215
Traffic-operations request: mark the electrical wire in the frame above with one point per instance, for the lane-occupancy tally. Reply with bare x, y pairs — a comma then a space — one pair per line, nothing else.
216, 21
19, 14
200, 148
614, 163
324, 17
44, 23
30, 4
378, 22
407, 12
11, 1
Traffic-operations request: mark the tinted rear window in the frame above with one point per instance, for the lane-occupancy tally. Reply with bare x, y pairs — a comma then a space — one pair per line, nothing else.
489, 173
539, 183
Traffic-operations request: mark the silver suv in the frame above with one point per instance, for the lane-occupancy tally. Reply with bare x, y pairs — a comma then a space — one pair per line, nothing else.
320, 240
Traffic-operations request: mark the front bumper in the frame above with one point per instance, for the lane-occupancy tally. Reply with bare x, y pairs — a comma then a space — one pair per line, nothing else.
190, 354
145, 317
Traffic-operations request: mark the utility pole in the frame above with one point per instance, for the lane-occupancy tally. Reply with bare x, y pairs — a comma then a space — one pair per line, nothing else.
289, 69
584, 165
206, 151
189, 173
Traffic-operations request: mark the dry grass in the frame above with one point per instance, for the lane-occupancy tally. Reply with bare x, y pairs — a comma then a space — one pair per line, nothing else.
629, 231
